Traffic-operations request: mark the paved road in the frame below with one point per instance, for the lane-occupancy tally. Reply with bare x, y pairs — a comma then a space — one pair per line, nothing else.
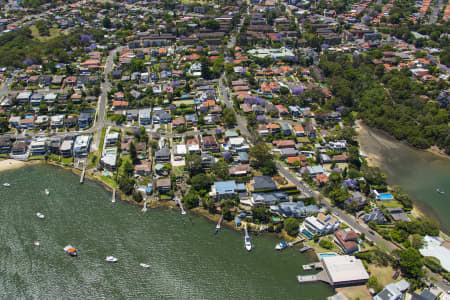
5, 88
436, 10
103, 101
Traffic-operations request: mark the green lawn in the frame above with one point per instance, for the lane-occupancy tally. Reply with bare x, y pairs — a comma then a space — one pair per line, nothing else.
67, 160
108, 180
54, 32
186, 102
124, 159
390, 203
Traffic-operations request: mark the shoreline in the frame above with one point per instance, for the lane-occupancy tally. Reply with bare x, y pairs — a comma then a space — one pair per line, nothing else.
374, 160
13, 164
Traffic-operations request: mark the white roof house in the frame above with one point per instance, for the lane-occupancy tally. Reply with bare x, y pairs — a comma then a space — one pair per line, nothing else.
180, 149
344, 270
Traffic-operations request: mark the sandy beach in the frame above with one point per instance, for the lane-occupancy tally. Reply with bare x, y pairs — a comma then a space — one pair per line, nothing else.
11, 164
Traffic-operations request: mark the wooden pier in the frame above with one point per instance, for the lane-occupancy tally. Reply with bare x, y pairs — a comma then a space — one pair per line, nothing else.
290, 244
82, 174
113, 199
321, 276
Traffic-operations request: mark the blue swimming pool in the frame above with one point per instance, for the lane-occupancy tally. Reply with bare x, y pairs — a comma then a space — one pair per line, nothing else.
386, 196
327, 254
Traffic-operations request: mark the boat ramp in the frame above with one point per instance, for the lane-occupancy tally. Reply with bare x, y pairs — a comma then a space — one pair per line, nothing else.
113, 199
178, 202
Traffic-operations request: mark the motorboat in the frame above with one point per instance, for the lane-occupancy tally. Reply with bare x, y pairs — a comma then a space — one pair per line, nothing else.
6, 184
237, 221
440, 192
145, 266
216, 230
281, 246
111, 259
40, 215
248, 243
37, 244
47, 192
70, 250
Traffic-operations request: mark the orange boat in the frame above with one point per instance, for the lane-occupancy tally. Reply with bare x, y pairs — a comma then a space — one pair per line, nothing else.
70, 250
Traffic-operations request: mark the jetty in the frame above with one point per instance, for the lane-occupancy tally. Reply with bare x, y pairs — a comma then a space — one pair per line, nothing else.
218, 225
178, 202
113, 199
290, 244
144, 209
321, 276
82, 174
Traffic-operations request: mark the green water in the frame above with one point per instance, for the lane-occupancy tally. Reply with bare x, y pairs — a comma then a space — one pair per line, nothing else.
187, 260
420, 173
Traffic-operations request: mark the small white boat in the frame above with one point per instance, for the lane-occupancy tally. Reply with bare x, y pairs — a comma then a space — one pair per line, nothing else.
37, 244
40, 215
6, 184
46, 192
281, 246
111, 259
440, 191
248, 243
145, 266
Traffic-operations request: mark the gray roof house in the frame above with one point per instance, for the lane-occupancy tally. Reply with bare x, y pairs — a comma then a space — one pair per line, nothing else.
294, 209
263, 183
163, 155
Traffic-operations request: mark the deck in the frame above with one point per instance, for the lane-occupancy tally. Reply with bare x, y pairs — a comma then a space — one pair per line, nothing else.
321, 276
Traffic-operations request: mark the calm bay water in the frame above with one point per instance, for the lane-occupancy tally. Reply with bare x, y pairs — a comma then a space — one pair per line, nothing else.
187, 260
420, 173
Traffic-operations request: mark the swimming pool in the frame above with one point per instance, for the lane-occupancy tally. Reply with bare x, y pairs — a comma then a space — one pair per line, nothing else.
386, 196
327, 254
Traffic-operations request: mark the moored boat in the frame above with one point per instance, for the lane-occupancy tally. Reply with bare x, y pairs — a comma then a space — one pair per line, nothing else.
306, 248
111, 259
40, 215
36, 243
248, 243
47, 192
440, 192
70, 250
281, 246
6, 184
237, 221
145, 266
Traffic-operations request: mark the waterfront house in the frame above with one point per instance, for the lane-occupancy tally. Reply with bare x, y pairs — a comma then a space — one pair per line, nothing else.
344, 270
223, 190
38, 148
19, 148
144, 168
163, 185
268, 198
374, 216
322, 224
66, 148
5, 144
398, 214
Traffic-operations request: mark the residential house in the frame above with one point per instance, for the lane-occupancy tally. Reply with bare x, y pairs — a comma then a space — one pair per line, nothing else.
66, 148
294, 209
85, 119
347, 240
398, 214
163, 185
145, 117
5, 144
19, 148
162, 155
393, 291
322, 224
81, 147
263, 183
209, 143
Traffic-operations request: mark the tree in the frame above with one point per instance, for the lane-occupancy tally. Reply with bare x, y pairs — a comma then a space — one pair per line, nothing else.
229, 118
410, 262
106, 22
191, 199
261, 214
269, 168
194, 164
417, 241
220, 170
201, 182
137, 196
326, 243
291, 226
133, 154
128, 168
260, 153
126, 185
212, 24
143, 137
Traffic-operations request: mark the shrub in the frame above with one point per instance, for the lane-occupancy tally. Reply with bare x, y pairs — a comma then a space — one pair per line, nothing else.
326, 243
